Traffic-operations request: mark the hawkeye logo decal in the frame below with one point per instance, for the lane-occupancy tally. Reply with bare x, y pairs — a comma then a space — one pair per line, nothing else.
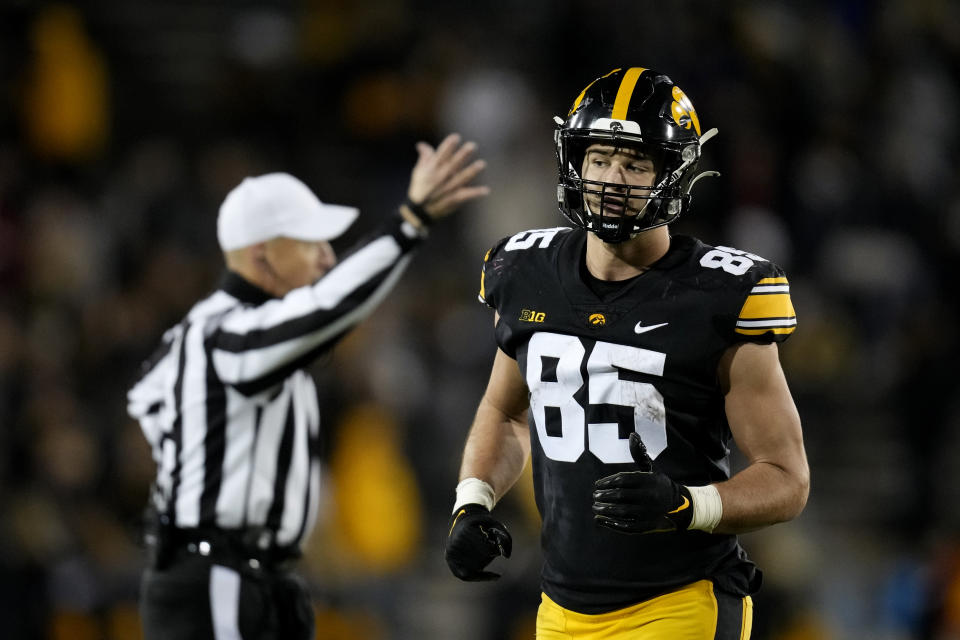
639, 328
683, 112
597, 319
527, 315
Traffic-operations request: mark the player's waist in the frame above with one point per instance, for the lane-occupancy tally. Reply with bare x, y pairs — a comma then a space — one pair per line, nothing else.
602, 577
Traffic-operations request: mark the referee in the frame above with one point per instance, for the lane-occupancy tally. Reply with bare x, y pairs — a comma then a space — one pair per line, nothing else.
232, 416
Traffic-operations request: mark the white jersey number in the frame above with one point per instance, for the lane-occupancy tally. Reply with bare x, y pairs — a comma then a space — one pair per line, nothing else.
733, 261
527, 239
604, 387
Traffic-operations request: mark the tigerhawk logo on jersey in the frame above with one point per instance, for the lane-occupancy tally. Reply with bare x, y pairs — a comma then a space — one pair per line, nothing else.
597, 319
527, 315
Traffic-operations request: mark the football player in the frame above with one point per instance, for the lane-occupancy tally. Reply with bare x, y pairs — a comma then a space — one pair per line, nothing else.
628, 360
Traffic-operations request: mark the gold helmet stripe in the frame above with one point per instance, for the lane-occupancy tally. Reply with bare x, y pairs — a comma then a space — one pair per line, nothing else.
626, 92
576, 103
780, 331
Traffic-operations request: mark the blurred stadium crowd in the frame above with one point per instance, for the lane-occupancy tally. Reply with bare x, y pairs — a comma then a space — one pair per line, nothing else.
123, 125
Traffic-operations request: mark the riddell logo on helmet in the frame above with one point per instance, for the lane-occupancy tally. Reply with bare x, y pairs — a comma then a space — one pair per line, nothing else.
683, 112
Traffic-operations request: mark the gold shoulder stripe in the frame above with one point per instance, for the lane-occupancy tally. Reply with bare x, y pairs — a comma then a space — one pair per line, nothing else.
483, 275
758, 332
773, 281
576, 103
772, 305
625, 92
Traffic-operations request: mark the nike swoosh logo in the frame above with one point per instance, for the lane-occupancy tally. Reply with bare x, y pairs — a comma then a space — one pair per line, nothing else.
686, 503
463, 511
642, 329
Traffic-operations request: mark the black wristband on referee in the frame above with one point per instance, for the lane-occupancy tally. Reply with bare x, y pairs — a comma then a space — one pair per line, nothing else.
418, 212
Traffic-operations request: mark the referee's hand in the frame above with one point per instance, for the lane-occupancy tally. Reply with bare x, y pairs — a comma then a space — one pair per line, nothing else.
474, 539
440, 181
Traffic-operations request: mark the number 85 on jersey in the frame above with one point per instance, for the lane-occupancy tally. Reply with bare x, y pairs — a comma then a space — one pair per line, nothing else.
553, 392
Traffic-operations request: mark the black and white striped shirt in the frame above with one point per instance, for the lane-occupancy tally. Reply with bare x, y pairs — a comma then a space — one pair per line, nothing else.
230, 414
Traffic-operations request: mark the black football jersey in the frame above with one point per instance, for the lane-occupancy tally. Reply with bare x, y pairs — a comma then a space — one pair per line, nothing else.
641, 356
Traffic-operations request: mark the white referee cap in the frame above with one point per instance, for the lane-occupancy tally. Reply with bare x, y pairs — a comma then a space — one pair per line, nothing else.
278, 205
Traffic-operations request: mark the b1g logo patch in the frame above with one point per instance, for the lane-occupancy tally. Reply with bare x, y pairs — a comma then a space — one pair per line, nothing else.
527, 315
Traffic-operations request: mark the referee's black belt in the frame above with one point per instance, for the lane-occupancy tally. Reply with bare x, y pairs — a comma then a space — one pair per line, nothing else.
254, 548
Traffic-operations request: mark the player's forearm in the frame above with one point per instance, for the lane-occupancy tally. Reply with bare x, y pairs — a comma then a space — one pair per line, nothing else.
762, 494
497, 449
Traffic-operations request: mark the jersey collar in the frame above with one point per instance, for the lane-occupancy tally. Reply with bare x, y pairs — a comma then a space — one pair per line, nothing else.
242, 289
573, 253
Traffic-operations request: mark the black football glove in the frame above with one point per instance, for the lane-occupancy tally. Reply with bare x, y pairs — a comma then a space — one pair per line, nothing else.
475, 538
644, 501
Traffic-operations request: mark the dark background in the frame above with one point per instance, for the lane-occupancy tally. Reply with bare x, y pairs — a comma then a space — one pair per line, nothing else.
124, 124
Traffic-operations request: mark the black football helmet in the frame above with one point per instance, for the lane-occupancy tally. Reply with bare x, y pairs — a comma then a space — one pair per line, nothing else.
639, 109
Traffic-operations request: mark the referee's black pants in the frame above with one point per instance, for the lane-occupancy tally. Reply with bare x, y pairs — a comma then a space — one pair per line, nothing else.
194, 598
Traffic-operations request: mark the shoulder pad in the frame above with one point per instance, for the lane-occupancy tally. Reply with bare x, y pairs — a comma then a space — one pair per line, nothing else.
767, 312
510, 251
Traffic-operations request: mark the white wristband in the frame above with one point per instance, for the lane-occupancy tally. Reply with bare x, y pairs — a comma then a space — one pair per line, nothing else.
707, 508
474, 491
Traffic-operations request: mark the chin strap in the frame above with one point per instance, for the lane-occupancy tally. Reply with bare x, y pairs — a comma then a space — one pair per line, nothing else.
705, 174
686, 163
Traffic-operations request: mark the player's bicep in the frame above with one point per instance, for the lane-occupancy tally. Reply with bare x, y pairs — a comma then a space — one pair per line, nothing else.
760, 410
506, 391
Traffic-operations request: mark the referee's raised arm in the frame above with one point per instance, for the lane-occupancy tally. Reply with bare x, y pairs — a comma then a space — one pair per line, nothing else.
232, 416
254, 346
